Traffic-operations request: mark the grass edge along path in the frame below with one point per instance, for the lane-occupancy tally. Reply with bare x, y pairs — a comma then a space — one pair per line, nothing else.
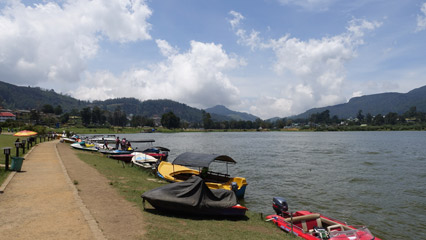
131, 182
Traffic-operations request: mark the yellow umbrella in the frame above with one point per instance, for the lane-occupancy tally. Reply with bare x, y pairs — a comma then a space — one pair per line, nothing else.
25, 133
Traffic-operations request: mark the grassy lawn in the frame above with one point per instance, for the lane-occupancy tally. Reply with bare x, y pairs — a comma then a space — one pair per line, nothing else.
7, 141
131, 182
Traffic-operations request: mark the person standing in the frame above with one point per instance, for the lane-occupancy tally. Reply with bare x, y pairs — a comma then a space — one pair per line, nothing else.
117, 143
123, 144
128, 146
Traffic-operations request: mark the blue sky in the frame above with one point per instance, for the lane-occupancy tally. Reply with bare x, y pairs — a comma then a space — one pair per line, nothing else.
269, 58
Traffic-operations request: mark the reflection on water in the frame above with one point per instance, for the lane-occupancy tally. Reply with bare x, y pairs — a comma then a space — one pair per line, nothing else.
371, 178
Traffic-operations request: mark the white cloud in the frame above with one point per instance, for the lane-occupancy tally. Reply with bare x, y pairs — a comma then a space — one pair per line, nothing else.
267, 106
196, 77
421, 19
165, 48
312, 72
251, 39
311, 5
235, 22
52, 42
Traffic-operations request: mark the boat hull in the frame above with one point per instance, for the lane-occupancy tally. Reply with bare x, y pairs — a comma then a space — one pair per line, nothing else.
80, 146
114, 152
305, 224
144, 160
122, 157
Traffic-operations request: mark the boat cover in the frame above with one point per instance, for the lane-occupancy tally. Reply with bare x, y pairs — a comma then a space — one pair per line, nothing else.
200, 159
191, 196
156, 149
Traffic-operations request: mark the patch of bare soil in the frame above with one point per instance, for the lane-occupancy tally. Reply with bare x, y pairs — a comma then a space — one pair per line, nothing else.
116, 217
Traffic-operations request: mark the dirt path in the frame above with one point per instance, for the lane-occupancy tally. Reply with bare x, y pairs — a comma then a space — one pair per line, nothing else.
117, 218
41, 202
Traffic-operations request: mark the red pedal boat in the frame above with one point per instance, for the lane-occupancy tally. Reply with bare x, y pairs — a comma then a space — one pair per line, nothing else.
314, 226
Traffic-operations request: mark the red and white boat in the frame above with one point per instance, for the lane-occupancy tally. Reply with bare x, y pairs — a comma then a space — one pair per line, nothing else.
160, 153
314, 226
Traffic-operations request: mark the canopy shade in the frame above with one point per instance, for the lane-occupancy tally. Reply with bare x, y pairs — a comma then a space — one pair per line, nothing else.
200, 159
25, 133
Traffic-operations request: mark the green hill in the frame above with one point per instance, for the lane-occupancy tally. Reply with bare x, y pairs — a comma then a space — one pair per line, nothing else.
382, 103
222, 110
27, 98
151, 108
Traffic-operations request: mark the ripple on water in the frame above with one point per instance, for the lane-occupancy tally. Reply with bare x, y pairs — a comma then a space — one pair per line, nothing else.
359, 180
370, 152
366, 163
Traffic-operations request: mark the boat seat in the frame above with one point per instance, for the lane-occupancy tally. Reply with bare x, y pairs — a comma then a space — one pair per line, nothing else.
307, 218
336, 227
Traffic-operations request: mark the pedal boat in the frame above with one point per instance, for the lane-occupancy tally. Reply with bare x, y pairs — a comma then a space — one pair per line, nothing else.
179, 170
314, 226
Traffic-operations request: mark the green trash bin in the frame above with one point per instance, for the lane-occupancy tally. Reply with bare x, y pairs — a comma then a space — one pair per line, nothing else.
16, 163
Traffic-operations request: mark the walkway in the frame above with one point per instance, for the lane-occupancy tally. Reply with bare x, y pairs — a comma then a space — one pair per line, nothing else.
41, 202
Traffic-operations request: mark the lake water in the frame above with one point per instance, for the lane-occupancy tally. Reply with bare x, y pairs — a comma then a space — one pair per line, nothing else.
376, 179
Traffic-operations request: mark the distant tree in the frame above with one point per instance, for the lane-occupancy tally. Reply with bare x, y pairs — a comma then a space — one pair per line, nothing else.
170, 120
369, 118
207, 120
280, 123
86, 116
58, 110
323, 117
34, 116
378, 120
139, 121
96, 115
335, 119
412, 112
74, 112
360, 116
64, 118
391, 118
119, 118
47, 108
257, 123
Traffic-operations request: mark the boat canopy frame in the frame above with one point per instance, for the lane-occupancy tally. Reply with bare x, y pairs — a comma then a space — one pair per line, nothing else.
201, 160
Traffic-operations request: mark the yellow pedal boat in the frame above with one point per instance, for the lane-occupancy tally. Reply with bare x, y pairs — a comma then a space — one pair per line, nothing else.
180, 171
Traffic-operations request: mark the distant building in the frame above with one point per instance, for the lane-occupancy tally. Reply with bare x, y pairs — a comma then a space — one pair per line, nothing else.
6, 115
157, 120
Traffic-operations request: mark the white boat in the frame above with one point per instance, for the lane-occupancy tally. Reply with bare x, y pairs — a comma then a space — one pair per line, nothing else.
144, 160
102, 138
85, 146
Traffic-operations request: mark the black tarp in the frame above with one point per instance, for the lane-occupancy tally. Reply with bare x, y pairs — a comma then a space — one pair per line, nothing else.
200, 159
191, 196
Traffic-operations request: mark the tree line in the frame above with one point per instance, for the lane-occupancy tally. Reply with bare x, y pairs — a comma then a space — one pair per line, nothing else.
96, 117
392, 118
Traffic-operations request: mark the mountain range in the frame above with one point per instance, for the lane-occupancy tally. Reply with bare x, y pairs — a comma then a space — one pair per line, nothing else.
27, 98
222, 110
19, 97
374, 104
